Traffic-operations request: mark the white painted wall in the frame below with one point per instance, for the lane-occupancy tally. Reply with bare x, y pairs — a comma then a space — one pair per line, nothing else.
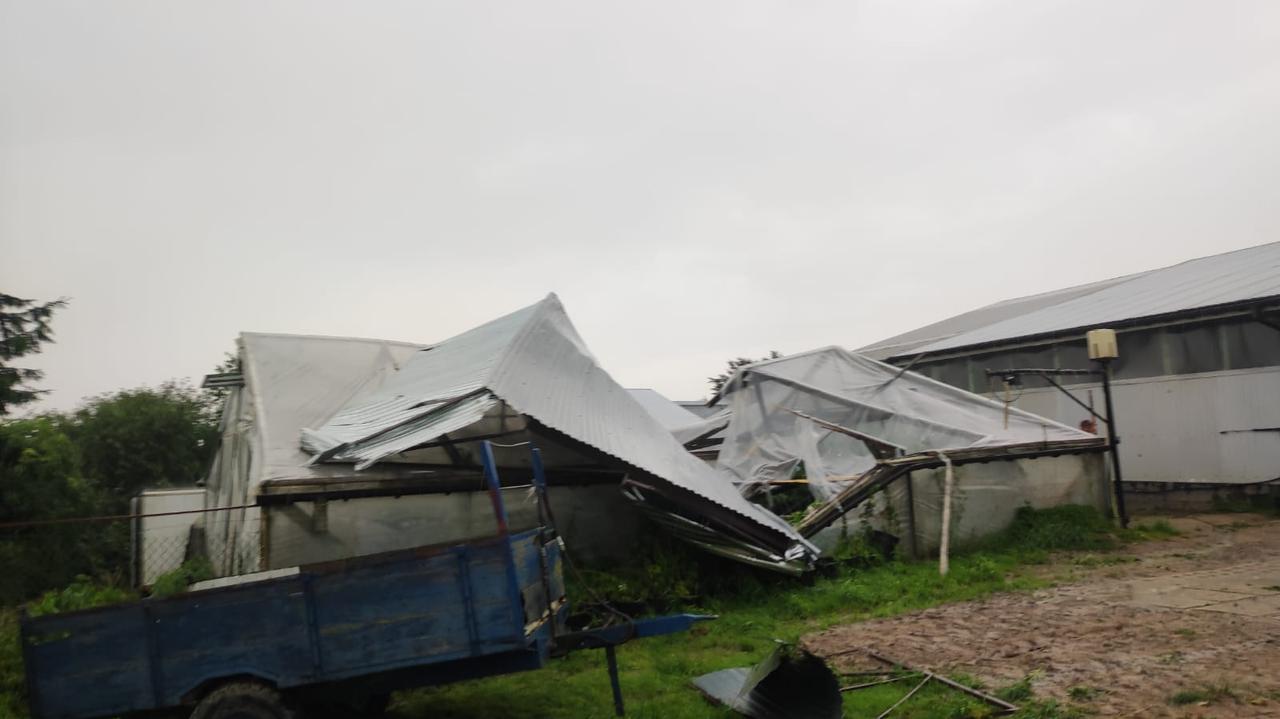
1172, 427
160, 543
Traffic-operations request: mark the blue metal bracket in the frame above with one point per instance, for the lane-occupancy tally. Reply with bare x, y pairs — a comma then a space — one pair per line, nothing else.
514, 598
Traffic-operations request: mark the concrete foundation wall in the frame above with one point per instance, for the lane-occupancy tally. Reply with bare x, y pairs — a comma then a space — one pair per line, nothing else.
987, 496
1169, 498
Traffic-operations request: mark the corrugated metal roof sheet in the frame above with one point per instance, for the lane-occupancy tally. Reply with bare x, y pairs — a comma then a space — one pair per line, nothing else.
1240, 276
910, 342
535, 362
669, 414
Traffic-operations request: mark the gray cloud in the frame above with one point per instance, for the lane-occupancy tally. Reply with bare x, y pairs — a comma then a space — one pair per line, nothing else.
697, 181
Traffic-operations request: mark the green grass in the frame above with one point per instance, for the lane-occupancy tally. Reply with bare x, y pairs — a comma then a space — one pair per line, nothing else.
1146, 531
1101, 560
754, 611
1082, 693
1070, 527
1207, 694
655, 673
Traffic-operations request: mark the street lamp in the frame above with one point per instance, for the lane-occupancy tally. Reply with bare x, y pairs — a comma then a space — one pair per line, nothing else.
1102, 350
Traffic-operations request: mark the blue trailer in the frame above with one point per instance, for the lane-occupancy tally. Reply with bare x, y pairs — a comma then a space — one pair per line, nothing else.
333, 638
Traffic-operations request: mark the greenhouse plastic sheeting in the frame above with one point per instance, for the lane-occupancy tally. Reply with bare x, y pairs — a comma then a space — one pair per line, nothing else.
985, 499
766, 440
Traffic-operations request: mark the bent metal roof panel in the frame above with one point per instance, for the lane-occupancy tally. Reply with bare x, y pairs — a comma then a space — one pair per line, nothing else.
533, 361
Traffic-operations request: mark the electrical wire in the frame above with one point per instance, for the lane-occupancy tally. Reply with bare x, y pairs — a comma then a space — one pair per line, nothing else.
115, 517
993, 390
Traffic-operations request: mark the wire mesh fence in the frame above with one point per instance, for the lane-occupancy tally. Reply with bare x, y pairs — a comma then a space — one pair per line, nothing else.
167, 529
133, 550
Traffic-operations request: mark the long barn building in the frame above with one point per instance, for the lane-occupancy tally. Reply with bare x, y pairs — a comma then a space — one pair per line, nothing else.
1197, 383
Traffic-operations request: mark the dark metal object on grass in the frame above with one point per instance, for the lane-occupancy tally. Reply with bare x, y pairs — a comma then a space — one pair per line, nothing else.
788, 684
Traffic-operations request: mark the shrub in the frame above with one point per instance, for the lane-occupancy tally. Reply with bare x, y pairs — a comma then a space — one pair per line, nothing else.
177, 580
1057, 528
83, 593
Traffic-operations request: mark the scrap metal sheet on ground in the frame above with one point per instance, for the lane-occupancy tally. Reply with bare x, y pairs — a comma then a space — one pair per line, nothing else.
788, 684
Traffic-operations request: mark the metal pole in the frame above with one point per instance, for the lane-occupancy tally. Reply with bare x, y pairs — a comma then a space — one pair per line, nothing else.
544, 565
514, 597
540, 487
1114, 436
495, 487
1087, 407
911, 514
611, 655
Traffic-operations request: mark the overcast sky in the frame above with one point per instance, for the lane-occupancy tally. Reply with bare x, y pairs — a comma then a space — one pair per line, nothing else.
696, 180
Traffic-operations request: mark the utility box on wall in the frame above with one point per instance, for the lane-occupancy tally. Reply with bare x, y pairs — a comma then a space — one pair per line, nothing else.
1102, 344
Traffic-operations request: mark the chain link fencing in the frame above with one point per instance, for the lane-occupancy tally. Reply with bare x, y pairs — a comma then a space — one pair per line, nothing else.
134, 550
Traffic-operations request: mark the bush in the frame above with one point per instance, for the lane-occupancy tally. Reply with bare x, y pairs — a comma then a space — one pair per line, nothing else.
1069, 527
80, 594
662, 574
13, 684
177, 581
86, 464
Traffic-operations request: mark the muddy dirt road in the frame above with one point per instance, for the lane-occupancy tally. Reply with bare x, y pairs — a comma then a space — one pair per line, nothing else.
1127, 631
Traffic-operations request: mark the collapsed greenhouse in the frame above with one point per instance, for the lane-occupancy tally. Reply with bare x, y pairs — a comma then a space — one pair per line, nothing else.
856, 433
335, 447
346, 447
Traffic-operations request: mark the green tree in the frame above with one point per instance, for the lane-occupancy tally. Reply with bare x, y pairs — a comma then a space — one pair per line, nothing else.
24, 327
141, 438
718, 381
89, 463
40, 479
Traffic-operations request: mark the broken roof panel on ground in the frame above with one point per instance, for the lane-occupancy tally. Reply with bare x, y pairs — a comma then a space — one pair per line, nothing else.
534, 363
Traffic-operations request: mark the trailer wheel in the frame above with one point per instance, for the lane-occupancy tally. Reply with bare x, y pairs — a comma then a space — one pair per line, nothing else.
242, 700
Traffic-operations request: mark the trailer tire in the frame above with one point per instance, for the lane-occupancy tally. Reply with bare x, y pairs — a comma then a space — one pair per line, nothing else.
242, 700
